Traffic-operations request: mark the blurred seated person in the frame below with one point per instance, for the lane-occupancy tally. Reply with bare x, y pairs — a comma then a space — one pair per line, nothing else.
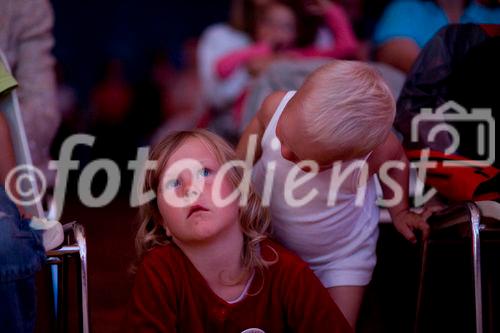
407, 25
23, 241
446, 73
231, 55
26, 40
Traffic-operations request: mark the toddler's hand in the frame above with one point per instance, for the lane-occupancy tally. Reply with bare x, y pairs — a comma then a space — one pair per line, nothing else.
406, 222
259, 64
292, 54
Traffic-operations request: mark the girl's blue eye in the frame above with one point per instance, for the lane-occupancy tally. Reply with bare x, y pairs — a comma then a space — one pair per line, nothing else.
172, 183
205, 172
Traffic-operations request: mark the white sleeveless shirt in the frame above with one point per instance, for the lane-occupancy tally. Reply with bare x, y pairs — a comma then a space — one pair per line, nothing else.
338, 241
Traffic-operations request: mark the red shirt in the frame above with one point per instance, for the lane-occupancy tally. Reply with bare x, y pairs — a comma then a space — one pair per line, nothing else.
170, 295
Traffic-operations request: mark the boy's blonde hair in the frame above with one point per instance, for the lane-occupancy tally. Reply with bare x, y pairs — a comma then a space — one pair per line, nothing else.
350, 109
254, 220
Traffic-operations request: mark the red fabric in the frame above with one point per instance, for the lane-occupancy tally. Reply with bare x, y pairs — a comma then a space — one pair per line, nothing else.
457, 183
170, 295
492, 30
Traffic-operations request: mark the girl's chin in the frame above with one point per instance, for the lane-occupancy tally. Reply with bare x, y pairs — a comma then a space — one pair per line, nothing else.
204, 225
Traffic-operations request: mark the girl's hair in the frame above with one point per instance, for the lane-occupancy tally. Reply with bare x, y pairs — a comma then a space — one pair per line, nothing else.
254, 220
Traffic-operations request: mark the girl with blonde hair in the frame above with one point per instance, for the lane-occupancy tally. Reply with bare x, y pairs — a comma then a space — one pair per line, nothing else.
207, 267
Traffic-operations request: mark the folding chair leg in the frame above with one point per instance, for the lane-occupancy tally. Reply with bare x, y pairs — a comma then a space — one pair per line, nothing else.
82, 245
59, 274
475, 218
59, 259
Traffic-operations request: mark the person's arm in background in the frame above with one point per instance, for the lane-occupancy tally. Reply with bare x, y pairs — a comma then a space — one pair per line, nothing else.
400, 53
8, 159
33, 68
7, 155
229, 62
337, 21
396, 34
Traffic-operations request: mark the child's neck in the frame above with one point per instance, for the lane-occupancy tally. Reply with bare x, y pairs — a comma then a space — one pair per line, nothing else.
219, 261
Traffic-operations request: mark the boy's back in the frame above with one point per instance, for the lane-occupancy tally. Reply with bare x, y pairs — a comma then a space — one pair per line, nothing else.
329, 237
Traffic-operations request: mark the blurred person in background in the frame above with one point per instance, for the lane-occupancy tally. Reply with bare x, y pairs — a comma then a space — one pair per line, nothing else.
230, 55
23, 240
182, 107
111, 98
26, 39
407, 25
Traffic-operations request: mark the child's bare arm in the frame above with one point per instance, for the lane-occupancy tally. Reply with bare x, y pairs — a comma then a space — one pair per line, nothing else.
258, 125
8, 160
404, 220
391, 150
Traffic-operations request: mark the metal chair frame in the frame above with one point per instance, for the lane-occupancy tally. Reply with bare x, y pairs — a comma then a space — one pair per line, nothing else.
472, 222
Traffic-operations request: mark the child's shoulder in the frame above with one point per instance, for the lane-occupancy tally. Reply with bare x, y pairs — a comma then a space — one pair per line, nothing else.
164, 257
284, 258
269, 106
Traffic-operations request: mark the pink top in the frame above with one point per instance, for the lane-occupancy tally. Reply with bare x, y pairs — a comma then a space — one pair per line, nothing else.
336, 20
228, 63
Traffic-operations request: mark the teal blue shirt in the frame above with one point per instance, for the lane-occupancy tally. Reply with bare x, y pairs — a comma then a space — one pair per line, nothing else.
420, 20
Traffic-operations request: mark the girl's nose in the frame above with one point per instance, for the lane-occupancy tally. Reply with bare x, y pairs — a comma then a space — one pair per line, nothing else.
191, 192
191, 186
